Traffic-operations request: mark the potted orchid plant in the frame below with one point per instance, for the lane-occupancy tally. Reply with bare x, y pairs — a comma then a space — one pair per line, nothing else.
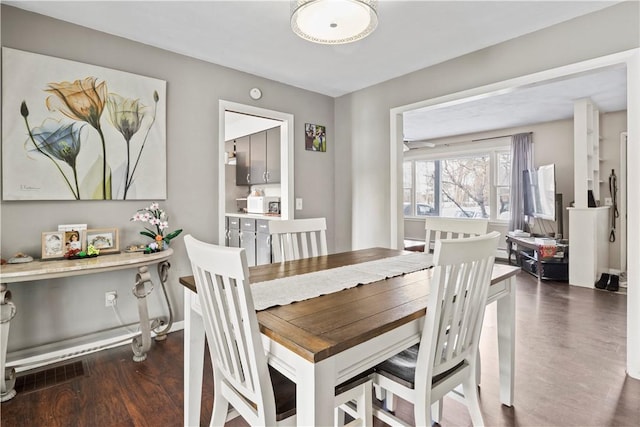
157, 218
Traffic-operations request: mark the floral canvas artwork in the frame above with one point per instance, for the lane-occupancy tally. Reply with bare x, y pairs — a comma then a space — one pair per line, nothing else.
74, 131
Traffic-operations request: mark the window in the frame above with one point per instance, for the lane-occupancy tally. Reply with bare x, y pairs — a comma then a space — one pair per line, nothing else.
473, 185
503, 185
425, 194
407, 185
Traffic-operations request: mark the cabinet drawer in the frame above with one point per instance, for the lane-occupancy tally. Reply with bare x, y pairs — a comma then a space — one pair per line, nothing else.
262, 225
234, 223
247, 224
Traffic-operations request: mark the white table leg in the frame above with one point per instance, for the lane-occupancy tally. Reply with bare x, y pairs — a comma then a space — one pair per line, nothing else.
315, 392
194, 339
7, 376
506, 313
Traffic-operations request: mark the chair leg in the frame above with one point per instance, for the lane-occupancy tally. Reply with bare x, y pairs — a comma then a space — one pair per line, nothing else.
365, 405
338, 417
220, 408
380, 392
422, 414
470, 389
436, 411
389, 401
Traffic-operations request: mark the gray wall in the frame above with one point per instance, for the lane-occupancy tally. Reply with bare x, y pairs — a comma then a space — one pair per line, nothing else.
56, 309
365, 114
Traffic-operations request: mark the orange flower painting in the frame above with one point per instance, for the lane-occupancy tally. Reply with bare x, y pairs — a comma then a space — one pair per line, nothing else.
73, 131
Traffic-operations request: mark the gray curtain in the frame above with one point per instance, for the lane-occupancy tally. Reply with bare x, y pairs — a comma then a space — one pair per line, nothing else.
521, 160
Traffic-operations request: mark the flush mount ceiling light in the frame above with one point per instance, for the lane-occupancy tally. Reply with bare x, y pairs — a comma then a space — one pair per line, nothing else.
333, 21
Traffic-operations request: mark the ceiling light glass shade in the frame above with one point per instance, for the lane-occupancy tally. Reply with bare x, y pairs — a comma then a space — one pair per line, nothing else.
333, 21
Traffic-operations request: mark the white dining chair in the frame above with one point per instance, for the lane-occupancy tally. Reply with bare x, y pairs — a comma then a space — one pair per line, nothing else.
298, 238
242, 377
451, 228
446, 355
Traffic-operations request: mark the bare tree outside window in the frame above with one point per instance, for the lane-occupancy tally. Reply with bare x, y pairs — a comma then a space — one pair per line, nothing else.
473, 186
465, 187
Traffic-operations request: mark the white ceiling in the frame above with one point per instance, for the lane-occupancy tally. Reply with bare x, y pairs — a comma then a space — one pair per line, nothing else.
255, 37
539, 103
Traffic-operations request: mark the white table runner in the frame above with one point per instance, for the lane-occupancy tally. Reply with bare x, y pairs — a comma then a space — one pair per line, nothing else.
310, 285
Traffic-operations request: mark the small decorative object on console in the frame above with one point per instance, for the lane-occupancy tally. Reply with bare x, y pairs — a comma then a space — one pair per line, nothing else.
91, 252
20, 258
158, 218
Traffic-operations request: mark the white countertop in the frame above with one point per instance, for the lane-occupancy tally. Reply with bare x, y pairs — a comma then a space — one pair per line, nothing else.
255, 216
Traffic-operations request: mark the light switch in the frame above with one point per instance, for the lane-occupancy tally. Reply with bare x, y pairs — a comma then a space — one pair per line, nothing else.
298, 204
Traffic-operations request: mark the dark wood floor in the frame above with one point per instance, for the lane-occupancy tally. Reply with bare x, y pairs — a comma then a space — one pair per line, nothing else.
570, 371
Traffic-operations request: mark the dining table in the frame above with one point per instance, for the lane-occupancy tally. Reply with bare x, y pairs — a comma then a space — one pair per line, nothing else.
325, 340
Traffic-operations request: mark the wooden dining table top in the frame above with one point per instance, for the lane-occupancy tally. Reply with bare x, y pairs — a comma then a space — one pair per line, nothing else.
321, 327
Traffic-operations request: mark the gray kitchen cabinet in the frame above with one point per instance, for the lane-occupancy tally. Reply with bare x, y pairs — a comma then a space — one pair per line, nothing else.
252, 235
233, 232
248, 239
263, 242
243, 160
273, 156
258, 158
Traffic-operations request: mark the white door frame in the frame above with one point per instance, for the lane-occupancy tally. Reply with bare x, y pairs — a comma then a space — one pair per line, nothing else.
629, 58
286, 158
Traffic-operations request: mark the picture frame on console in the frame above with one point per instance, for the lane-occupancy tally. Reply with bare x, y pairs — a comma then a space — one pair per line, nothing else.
104, 239
53, 244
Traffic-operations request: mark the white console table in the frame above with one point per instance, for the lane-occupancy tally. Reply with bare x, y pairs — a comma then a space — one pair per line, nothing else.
41, 270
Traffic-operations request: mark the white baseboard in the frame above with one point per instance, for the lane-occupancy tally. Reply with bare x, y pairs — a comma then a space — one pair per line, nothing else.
34, 357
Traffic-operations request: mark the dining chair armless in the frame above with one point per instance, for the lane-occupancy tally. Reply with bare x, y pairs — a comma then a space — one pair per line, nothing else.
446, 355
437, 228
298, 238
242, 378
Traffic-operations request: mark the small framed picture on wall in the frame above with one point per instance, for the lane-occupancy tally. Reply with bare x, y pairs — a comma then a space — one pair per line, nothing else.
315, 137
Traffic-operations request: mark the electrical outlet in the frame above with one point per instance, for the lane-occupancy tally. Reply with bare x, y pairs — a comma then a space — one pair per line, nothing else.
110, 298
608, 201
299, 204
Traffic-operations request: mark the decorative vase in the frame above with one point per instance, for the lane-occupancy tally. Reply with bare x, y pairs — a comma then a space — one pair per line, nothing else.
160, 244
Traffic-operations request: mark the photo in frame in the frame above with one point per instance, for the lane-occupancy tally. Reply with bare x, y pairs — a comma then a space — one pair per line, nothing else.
74, 240
315, 137
75, 131
103, 239
53, 244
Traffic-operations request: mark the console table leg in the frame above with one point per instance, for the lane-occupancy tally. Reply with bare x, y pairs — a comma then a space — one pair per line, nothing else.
163, 274
142, 343
7, 376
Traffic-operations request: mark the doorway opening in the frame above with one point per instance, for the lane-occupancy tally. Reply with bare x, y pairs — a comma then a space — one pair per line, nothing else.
235, 118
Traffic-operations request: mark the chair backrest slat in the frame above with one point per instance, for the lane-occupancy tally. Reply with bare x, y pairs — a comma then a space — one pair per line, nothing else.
457, 301
298, 238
